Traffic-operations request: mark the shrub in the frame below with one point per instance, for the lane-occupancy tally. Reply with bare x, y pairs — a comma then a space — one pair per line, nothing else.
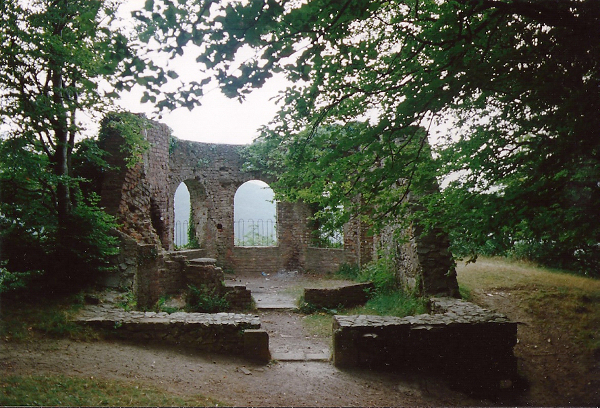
205, 300
381, 273
347, 271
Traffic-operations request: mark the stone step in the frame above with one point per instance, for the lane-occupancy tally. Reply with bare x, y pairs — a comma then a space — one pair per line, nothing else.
202, 261
300, 356
190, 253
276, 307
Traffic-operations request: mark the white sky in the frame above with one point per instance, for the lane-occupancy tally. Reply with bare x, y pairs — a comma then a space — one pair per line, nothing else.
219, 119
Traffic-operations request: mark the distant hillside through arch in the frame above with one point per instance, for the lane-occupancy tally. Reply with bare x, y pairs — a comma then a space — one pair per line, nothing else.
255, 215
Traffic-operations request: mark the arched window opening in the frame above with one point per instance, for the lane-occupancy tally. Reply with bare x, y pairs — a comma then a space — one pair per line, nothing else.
255, 215
182, 225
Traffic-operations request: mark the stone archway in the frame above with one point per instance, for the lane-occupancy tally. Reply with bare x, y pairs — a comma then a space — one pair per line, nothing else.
141, 198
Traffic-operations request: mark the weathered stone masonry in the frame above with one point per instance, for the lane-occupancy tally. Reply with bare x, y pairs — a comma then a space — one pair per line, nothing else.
459, 339
470, 345
142, 199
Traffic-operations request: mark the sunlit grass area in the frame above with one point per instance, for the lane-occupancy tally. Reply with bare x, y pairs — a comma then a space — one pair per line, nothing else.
76, 391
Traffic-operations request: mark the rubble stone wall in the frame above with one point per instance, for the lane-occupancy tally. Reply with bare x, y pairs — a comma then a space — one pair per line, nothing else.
142, 199
217, 332
461, 340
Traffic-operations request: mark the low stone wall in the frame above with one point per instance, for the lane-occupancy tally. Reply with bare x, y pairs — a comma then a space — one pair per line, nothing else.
345, 296
239, 297
470, 345
217, 332
254, 260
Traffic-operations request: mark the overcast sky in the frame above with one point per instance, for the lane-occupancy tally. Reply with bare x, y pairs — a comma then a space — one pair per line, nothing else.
219, 119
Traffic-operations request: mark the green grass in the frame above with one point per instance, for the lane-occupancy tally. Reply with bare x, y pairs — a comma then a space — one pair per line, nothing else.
22, 321
76, 391
566, 301
392, 304
318, 324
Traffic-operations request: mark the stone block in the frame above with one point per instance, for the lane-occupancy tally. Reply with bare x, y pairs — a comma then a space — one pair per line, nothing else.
346, 296
256, 345
472, 346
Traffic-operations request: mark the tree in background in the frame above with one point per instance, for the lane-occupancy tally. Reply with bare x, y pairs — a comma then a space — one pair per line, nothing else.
513, 82
59, 59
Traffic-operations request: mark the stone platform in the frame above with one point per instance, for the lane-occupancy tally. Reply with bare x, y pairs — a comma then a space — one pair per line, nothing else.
471, 345
230, 333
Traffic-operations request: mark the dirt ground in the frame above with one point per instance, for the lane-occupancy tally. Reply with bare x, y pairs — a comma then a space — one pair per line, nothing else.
556, 372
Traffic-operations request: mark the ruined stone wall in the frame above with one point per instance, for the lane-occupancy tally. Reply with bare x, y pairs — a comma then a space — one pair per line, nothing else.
212, 173
142, 200
325, 260
293, 235
470, 345
424, 263
254, 260
137, 196
358, 242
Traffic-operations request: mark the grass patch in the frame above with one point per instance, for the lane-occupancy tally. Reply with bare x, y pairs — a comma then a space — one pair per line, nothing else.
318, 324
575, 311
75, 391
23, 320
392, 304
563, 300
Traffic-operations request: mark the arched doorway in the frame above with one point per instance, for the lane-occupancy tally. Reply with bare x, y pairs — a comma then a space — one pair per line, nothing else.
190, 215
181, 223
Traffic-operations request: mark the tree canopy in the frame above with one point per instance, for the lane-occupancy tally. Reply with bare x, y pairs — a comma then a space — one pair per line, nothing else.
512, 84
59, 60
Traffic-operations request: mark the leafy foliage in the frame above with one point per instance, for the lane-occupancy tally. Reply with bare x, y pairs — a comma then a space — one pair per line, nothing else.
192, 241
205, 300
380, 271
31, 249
59, 59
512, 83
129, 128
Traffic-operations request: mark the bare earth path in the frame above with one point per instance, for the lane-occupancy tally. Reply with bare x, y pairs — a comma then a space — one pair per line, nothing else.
302, 383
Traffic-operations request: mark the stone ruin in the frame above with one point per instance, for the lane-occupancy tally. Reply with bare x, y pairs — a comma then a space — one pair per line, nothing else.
142, 200
458, 338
